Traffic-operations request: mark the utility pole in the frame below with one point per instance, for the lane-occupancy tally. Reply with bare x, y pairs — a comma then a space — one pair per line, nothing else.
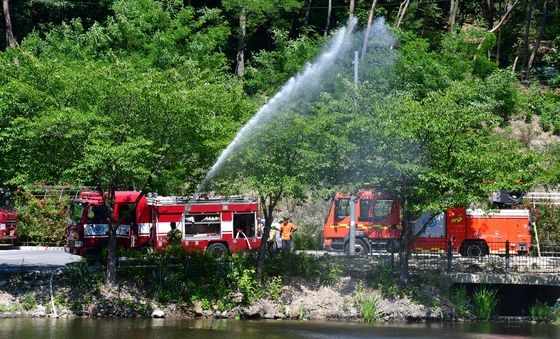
352, 240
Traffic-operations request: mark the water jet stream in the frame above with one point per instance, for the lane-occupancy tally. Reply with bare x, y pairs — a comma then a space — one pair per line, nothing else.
303, 82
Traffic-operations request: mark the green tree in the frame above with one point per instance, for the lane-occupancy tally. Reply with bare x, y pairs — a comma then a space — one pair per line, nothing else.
286, 158
433, 153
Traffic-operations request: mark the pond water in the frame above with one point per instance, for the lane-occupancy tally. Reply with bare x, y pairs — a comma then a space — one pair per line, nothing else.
202, 329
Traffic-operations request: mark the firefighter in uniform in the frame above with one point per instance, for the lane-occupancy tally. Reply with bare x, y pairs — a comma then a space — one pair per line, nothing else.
175, 235
271, 241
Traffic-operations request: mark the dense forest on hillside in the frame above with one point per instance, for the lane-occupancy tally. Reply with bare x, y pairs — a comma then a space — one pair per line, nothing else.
144, 93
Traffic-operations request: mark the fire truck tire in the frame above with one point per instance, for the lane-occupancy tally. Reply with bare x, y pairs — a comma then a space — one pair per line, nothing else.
217, 249
361, 248
473, 249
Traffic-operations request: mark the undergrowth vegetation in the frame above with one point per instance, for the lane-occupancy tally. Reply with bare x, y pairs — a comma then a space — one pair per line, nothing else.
218, 283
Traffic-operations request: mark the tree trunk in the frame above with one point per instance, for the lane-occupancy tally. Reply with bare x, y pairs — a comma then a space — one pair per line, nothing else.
112, 246
453, 8
490, 13
504, 17
529, 15
351, 10
329, 11
112, 254
240, 68
10, 40
268, 204
404, 250
498, 44
402, 12
368, 29
539, 35
307, 10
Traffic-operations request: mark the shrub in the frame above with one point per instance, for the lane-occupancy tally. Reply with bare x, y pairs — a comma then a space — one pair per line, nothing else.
485, 302
274, 289
460, 299
41, 220
82, 277
306, 241
324, 270
28, 302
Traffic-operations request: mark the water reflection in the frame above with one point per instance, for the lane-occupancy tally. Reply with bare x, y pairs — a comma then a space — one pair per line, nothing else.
202, 329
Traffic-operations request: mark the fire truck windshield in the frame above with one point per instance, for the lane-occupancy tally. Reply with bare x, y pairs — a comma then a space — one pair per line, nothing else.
75, 213
375, 209
97, 214
5, 198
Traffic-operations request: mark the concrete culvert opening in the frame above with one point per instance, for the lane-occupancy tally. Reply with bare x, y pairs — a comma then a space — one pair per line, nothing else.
514, 300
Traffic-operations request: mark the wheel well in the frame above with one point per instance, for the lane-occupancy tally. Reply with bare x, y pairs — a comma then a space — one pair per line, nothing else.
218, 242
365, 240
479, 242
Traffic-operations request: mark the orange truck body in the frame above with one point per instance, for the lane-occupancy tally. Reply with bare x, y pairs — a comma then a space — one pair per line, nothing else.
475, 232
470, 232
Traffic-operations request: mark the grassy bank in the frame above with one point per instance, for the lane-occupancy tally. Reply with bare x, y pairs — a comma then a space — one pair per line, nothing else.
295, 286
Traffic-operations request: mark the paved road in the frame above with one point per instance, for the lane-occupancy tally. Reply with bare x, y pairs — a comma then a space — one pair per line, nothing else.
30, 260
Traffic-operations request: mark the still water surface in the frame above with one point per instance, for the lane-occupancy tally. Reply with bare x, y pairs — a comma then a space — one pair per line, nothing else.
203, 329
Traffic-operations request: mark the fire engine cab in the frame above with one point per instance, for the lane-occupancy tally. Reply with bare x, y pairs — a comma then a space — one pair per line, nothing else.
88, 229
8, 217
377, 227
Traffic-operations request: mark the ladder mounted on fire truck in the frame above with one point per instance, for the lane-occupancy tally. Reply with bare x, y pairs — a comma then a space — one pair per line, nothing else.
42, 191
155, 200
540, 198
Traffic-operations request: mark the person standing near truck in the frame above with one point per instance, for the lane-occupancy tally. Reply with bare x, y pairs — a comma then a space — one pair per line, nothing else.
175, 235
286, 230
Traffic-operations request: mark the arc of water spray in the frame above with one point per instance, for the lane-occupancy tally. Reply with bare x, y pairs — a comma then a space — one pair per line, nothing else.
302, 81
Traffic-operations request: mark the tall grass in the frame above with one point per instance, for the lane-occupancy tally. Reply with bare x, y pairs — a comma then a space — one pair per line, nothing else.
485, 302
368, 304
541, 311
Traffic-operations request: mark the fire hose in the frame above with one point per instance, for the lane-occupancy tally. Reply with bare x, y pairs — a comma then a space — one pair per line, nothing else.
52, 292
246, 239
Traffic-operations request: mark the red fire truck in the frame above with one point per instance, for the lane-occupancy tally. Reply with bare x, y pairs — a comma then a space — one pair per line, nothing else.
212, 225
217, 225
8, 217
474, 233
88, 230
471, 232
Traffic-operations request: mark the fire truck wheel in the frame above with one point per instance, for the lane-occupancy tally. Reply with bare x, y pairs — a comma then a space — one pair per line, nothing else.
217, 249
360, 246
474, 249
